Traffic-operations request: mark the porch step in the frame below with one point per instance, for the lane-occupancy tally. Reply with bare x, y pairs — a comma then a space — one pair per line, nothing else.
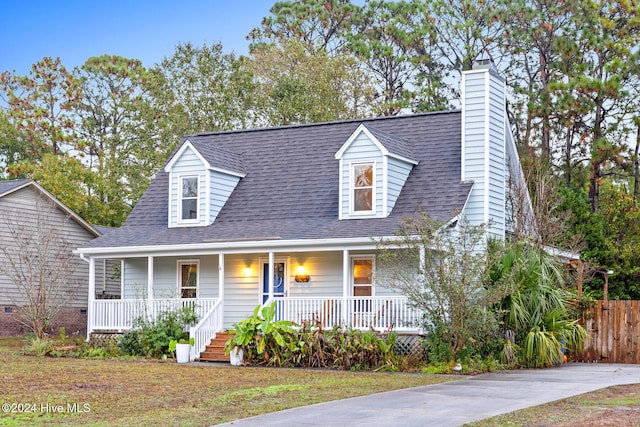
214, 352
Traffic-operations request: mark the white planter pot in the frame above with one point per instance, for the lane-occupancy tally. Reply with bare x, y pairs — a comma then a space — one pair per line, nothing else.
236, 356
183, 352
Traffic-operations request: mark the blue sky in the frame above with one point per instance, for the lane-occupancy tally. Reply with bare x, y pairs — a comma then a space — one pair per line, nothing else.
148, 30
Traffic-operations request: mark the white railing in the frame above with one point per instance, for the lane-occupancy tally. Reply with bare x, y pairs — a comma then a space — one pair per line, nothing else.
119, 315
379, 313
206, 329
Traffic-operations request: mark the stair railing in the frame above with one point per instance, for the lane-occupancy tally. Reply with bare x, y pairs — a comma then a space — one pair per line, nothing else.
206, 329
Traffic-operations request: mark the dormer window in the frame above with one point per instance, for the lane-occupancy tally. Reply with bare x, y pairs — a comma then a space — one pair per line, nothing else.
189, 199
362, 188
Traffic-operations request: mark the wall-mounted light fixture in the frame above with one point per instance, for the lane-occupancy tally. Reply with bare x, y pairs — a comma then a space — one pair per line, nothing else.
301, 274
247, 271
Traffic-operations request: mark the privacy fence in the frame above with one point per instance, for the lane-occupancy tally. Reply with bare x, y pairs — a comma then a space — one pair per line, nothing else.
614, 328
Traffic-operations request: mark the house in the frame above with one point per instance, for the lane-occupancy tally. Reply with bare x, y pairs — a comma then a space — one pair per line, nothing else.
29, 212
289, 214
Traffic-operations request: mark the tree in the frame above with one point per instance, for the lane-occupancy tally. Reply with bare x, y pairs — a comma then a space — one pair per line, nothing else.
41, 106
319, 25
532, 33
13, 149
441, 270
208, 90
394, 40
604, 77
536, 313
114, 134
295, 87
39, 262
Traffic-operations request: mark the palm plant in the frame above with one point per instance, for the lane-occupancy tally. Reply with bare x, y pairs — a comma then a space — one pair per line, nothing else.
538, 309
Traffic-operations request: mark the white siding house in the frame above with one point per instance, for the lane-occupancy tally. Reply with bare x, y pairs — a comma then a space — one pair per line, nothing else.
292, 215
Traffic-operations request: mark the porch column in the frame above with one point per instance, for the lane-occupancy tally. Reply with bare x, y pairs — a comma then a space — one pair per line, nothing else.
221, 276
150, 287
92, 295
221, 289
345, 285
271, 271
150, 278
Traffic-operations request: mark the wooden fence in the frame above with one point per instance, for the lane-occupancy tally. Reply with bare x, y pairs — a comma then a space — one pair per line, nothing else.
614, 329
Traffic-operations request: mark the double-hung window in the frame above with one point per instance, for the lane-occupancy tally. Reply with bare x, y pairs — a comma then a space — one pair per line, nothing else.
189, 199
188, 279
362, 191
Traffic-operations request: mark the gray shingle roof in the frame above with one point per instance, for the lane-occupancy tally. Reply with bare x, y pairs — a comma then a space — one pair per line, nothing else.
291, 185
6, 186
219, 157
395, 145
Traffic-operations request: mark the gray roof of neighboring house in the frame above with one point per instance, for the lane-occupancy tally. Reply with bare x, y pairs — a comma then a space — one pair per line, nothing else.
6, 186
290, 190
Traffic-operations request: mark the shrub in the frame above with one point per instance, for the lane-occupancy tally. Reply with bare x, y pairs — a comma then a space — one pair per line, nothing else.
152, 338
266, 341
38, 346
130, 344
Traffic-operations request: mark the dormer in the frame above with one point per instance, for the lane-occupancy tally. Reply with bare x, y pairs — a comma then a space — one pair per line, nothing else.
201, 179
373, 169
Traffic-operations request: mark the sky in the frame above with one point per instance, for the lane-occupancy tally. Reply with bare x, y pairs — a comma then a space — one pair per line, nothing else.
147, 30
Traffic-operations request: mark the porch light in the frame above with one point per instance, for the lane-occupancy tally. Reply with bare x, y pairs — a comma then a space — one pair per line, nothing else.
247, 271
301, 274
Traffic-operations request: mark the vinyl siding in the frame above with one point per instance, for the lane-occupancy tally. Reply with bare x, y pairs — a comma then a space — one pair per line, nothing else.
188, 164
397, 174
222, 185
484, 149
135, 278
361, 150
25, 204
241, 291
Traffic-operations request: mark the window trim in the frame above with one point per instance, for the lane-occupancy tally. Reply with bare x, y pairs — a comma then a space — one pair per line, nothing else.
352, 188
180, 219
179, 265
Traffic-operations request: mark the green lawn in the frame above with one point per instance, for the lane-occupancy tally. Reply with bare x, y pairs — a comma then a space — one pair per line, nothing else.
54, 391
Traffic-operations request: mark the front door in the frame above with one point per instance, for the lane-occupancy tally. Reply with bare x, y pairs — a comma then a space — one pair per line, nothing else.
279, 279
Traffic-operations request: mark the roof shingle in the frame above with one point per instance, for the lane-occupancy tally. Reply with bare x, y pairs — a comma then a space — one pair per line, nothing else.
291, 185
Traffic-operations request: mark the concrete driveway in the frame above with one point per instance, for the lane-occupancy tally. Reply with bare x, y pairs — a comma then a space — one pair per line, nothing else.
455, 403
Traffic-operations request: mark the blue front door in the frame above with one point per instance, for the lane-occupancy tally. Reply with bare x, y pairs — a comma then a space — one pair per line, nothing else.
278, 280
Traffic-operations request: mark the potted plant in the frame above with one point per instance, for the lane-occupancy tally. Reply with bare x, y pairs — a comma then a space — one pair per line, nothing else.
182, 349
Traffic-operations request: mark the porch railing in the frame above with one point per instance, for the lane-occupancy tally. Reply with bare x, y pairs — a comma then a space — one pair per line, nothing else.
206, 329
119, 315
379, 313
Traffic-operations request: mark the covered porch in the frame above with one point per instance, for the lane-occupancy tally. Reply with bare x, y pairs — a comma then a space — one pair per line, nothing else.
329, 288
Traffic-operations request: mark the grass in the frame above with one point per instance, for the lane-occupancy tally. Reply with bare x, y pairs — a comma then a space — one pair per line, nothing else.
612, 406
75, 391
71, 391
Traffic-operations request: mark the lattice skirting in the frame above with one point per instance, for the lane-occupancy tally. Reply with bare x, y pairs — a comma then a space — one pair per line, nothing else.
410, 345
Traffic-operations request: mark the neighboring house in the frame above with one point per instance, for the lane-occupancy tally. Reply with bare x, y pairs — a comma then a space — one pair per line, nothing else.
290, 214
25, 205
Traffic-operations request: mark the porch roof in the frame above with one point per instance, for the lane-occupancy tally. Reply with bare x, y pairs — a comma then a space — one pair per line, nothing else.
291, 188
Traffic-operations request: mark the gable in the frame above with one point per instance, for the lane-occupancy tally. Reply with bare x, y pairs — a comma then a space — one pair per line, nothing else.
390, 161
200, 184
